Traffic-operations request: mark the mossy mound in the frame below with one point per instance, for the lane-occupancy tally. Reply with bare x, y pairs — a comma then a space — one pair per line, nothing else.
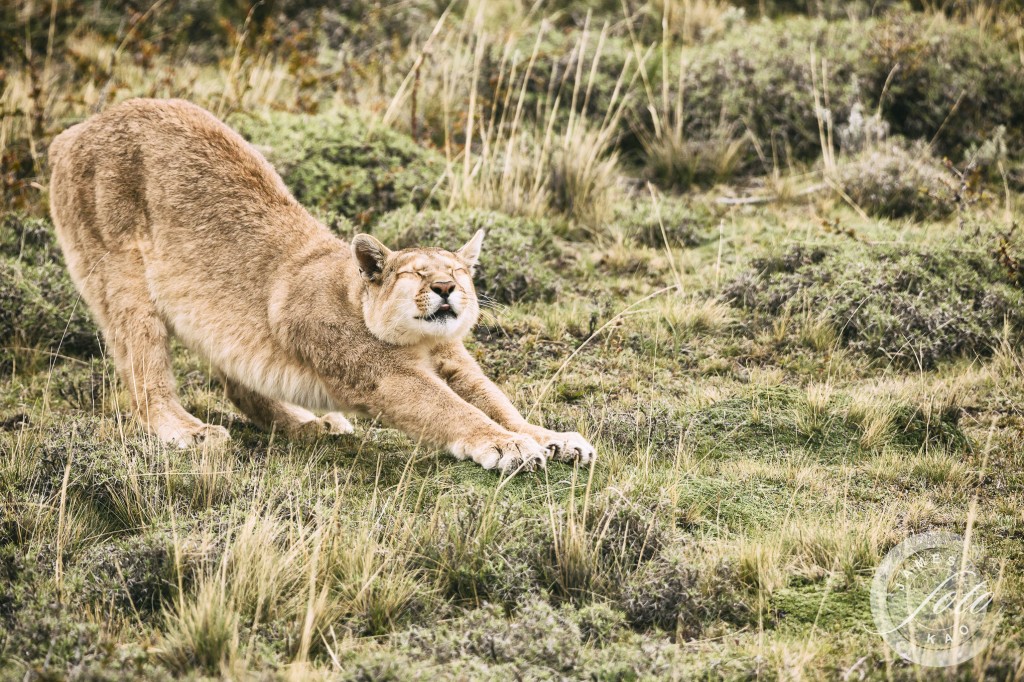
911, 305
781, 419
892, 181
519, 261
339, 162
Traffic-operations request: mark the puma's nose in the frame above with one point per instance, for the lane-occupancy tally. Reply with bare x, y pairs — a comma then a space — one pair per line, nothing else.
443, 289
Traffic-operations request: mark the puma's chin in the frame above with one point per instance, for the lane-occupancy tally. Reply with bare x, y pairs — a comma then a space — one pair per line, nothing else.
445, 323
430, 328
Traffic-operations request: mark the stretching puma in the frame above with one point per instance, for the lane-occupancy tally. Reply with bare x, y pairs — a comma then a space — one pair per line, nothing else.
172, 224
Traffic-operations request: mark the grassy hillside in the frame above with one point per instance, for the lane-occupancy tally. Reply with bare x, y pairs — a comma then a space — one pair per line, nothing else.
763, 254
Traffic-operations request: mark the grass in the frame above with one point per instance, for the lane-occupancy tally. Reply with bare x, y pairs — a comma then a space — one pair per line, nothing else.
781, 386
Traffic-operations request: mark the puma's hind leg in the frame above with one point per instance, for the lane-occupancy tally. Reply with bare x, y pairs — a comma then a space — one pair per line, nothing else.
275, 415
115, 289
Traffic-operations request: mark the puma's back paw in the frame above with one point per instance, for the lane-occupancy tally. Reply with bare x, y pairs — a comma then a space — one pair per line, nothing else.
331, 424
336, 424
186, 436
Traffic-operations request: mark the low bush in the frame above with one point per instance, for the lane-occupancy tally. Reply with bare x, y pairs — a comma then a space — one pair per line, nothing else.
663, 596
762, 78
28, 240
338, 162
894, 181
519, 261
40, 310
672, 595
911, 305
478, 556
131, 574
952, 82
538, 634
681, 222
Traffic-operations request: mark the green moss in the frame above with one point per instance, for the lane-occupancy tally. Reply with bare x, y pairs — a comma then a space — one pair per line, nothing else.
779, 420
342, 163
766, 421
823, 606
519, 261
913, 306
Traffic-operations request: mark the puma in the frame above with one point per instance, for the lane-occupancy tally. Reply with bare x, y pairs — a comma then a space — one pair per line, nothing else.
172, 224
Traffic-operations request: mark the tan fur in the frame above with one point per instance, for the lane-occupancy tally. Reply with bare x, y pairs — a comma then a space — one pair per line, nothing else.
172, 224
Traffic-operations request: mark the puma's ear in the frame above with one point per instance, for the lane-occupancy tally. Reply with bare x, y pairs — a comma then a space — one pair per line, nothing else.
370, 255
471, 251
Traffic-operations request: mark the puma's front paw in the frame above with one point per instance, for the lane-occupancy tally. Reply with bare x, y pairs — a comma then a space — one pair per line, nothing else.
509, 453
566, 447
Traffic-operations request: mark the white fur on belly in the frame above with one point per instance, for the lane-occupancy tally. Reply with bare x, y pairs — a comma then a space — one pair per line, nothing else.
250, 357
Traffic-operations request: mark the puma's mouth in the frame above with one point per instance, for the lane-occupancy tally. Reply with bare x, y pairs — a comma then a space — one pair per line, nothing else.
443, 313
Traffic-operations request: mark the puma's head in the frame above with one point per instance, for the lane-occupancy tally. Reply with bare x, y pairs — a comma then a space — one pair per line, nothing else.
417, 295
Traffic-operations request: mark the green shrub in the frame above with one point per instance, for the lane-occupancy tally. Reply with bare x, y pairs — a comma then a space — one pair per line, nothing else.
39, 305
36, 626
339, 162
947, 70
675, 596
40, 309
478, 556
681, 222
600, 624
519, 257
28, 240
134, 574
893, 181
538, 634
580, 557
761, 80
912, 305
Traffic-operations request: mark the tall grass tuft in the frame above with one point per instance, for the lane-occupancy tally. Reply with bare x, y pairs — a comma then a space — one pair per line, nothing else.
530, 145
202, 630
